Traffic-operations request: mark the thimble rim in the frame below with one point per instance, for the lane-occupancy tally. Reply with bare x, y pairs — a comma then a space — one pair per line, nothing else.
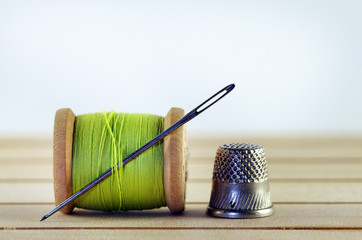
259, 213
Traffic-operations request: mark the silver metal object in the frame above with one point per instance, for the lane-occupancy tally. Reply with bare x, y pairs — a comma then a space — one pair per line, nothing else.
240, 186
193, 113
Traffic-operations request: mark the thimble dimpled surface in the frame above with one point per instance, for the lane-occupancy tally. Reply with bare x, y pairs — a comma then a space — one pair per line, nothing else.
240, 163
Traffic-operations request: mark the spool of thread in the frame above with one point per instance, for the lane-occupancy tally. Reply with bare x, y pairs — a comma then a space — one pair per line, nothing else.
173, 174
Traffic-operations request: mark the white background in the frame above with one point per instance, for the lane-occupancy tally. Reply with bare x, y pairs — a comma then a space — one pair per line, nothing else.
297, 65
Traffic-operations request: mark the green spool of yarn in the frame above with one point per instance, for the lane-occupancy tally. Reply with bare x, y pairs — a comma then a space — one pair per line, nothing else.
103, 140
88, 145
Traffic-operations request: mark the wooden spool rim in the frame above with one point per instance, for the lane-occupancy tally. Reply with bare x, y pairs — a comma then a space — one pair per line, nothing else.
62, 157
174, 162
174, 172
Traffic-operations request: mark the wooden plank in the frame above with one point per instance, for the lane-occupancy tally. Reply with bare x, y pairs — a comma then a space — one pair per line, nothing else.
14, 192
29, 160
21, 143
19, 161
290, 216
176, 234
197, 141
204, 171
291, 171
203, 147
315, 184
290, 141
36, 171
292, 192
316, 171
291, 160
288, 147
341, 153
26, 153
199, 191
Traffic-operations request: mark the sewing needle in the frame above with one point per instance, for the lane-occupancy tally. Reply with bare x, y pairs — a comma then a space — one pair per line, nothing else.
193, 113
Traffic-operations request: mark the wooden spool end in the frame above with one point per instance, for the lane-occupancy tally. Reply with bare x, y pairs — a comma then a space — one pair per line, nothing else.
62, 157
174, 162
174, 173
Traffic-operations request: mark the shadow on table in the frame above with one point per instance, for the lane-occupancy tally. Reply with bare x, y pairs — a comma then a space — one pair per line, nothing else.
153, 213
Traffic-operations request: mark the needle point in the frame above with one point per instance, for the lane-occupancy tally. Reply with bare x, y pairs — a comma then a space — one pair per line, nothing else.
45, 217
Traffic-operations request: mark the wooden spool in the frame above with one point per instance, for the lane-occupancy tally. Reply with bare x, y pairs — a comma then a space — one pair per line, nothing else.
174, 160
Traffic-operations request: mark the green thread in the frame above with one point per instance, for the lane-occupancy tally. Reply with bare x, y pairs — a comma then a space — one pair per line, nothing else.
103, 140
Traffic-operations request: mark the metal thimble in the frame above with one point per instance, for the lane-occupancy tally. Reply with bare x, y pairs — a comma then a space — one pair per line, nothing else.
240, 187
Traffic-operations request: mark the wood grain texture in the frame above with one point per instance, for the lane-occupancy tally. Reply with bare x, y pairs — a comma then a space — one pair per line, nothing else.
203, 171
286, 191
190, 234
326, 216
315, 183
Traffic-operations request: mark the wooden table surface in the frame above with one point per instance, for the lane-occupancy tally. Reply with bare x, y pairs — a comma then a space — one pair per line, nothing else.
315, 182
